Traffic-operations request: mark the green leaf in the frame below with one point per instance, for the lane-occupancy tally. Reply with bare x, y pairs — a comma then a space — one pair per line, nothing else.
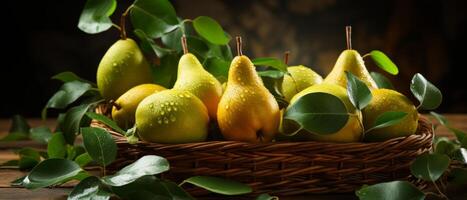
395, 190
10, 163
444, 146
68, 93
83, 159
430, 167
358, 92
388, 118
427, 94
69, 77
218, 68
166, 73
197, 47
172, 39
41, 134
210, 30
19, 125
145, 187
154, 17
266, 197
460, 135
148, 43
175, 191
107, 121
50, 172
383, 62
441, 119
89, 189
458, 176
15, 136
28, 158
319, 113
100, 145
73, 120
460, 155
73, 151
95, 17
147, 165
219, 185
276, 74
271, 62
381, 81
57, 146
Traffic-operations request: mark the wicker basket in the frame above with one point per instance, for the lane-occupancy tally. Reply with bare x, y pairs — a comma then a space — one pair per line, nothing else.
286, 168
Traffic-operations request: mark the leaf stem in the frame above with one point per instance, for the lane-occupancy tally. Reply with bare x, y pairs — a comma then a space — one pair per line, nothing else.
123, 22
359, 118
184, 45
239, 46
117, 27
366, 55
348, 35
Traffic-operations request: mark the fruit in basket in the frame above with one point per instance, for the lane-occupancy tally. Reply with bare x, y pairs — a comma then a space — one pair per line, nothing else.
351, 61
247, 111
194, 78
351, 132
299, 79
124, 108
389, 100
122, 67
172, 116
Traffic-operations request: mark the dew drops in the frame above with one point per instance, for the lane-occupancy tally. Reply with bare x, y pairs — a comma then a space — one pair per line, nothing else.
169, 109
159, 121
162, 113
180, 95
171, 103
227, 107
166, 121
173, 119
175, 108
114, 64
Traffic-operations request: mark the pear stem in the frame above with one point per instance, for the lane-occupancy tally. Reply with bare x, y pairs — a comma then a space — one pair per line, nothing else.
348, 34
113, 103
286, 57
184, 45
123, 22
239, 46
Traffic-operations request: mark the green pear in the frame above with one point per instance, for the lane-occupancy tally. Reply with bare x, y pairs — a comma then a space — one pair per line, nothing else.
122, 67
300, 78
172, 116
193, 78
350, 61
124, 108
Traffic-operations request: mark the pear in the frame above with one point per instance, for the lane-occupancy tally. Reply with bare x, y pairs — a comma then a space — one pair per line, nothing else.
351, 61
122, 67
172, 116
299, 78
247, 111
385, 100
352, 130
124, 108
194, 78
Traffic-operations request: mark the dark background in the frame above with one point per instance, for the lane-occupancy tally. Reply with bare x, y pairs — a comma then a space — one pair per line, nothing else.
41, 38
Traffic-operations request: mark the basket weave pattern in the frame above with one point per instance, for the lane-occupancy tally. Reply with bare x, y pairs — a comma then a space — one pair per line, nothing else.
286, 168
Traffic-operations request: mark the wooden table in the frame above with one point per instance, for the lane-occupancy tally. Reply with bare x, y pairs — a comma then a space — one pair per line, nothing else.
10, 192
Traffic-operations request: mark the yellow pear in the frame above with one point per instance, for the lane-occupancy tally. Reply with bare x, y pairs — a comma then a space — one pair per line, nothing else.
300, 78
247, 111
172, 116
194, 78
122, 67
352, 130
124, 108
351, 61
389, 100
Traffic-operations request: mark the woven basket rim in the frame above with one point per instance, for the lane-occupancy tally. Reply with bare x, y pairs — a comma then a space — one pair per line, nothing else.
419, 135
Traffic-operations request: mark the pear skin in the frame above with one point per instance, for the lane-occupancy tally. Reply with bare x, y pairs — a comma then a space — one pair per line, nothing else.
351, 61
123, 111
247, 111
122, 67
194, 78
300, 78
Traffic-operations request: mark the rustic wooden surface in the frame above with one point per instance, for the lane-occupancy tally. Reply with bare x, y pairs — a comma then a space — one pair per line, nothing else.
7, 174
